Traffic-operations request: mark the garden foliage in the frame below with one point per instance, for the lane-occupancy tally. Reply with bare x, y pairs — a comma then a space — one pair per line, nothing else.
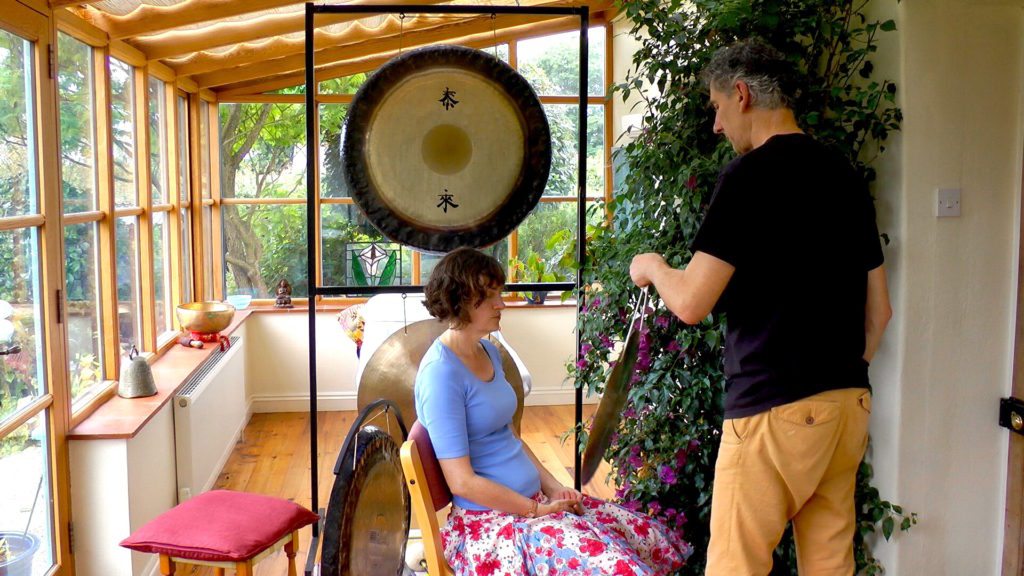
664, 453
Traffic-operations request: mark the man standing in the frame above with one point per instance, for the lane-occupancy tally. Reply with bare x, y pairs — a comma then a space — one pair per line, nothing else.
789, 251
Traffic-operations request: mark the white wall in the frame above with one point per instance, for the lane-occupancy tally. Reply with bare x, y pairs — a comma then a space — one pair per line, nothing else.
946, 361
278, 360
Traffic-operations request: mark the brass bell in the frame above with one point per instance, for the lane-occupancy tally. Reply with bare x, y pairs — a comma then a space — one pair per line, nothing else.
136, 377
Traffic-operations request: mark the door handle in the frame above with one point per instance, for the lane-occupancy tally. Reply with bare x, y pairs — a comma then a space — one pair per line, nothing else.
1011, 414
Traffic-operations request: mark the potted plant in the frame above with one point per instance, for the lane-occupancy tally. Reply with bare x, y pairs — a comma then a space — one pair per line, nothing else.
16, 551
553, 268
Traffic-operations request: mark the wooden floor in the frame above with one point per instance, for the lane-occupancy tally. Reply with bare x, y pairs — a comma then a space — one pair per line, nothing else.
272, 458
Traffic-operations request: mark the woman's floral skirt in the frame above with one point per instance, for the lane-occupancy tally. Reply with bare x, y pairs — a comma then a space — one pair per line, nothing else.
606, 540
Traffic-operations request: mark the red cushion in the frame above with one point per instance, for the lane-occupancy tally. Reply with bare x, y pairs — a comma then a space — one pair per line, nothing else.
220, 526
439, 491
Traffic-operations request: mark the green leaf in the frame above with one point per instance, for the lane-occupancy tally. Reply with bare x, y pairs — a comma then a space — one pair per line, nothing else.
388, 274
887, 527
888, 25
357, 270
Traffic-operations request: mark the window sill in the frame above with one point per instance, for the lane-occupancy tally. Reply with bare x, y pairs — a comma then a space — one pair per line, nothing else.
123, 418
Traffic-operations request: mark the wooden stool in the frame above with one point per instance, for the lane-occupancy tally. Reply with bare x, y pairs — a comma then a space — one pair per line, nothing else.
223, 529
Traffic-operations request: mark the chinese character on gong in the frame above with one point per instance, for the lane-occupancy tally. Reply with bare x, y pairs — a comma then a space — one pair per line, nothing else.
446, 201
448, 99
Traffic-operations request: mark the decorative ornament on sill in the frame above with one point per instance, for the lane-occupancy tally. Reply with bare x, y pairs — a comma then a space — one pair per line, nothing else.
136, 377
284, 295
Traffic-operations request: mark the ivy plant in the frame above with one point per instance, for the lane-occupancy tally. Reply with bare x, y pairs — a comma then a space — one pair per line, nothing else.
664, 452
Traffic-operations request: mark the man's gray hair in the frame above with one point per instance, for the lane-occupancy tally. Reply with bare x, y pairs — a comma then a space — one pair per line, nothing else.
765, 71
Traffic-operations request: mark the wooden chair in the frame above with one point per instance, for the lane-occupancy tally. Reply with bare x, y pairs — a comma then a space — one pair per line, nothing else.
429, 493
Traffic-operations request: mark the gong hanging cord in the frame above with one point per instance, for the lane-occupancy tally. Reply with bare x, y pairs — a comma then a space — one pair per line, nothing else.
405, 319
494, 32
401, 31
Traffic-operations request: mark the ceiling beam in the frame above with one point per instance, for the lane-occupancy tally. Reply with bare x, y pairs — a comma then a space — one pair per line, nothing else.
368, 63
55, 4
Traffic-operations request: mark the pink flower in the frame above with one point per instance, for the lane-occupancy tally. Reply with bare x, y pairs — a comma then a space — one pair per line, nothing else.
673, 346
666, 474
680, 458
581, 364
634, 459
662, 321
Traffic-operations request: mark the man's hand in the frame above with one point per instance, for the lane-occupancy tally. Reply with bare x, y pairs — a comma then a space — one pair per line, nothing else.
643, 266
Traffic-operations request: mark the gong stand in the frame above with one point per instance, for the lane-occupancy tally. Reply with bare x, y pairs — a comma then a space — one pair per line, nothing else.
312, 9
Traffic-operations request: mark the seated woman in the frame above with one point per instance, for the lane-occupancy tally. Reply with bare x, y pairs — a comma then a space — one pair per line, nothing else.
510, 515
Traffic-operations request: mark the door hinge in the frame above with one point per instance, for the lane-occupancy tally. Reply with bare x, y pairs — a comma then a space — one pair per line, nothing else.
52, 61
1011, 414
60, 306
71, 538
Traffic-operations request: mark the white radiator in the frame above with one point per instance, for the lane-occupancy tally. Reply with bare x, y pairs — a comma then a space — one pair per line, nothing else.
209, 415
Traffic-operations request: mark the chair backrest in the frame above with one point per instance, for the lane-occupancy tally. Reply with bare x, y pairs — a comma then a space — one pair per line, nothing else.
439, 492
429, 493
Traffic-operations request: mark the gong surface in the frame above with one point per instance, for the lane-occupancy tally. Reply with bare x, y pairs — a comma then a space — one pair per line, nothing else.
367, 522
390, 373
446, 146
613, 400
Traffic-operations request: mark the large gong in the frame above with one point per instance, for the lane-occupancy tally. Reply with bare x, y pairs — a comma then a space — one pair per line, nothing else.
446, 146
367, 521
390, 373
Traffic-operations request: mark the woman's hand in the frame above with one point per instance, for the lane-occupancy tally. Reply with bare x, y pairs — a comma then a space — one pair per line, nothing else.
561, 492
563, 505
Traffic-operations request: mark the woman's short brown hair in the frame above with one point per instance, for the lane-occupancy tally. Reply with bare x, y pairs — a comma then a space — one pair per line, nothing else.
459, 282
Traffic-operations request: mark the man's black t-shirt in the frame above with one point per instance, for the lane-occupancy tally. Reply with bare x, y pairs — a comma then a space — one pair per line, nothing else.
798, 225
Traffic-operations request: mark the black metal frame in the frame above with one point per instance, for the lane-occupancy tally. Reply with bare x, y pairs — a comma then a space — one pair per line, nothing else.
583, 12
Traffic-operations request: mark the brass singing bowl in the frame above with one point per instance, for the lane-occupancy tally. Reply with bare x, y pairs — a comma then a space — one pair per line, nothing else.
205, 317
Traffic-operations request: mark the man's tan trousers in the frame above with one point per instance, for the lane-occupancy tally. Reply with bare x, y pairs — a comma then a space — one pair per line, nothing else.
794, 462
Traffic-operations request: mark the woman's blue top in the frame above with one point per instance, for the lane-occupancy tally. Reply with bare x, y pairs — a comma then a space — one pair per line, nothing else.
466, 416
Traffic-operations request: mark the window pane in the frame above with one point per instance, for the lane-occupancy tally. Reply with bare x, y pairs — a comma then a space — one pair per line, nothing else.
186, 255
263, 149
208, 253
84, 322
161, 273
122, 96
18, 183
547, 243
157, 140
332, 171
128, 313
22, 378
264, 244
551, 63
204, 147
563, 119
344, 229
77, 129
428, 261
185, 182
25, 484
344, 85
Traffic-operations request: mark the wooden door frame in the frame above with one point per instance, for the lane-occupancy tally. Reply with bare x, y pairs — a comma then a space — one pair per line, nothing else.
1013, 527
